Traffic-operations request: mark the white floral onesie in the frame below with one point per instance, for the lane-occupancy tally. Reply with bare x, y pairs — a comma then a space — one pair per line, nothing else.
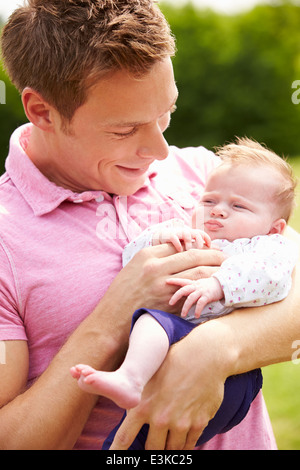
257, 271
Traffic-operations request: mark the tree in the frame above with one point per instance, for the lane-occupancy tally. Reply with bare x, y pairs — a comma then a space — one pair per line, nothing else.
235, 74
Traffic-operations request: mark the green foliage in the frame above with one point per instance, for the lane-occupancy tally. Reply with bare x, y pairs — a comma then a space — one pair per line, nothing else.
282, 395
234, 74
11, 116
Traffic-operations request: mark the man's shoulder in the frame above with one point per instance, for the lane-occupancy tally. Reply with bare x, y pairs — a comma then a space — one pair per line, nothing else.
9, 194
13, 207
193, 155
4, 179
190, 165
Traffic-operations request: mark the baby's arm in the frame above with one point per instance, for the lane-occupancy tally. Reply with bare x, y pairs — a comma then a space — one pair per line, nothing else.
183, 238
172, 231
258, 275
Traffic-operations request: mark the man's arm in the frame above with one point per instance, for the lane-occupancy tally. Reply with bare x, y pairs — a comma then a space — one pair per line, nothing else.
175, 405
272, 329
53, 411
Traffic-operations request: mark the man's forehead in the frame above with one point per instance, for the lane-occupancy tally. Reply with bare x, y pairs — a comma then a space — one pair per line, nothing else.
123, 99
134, 123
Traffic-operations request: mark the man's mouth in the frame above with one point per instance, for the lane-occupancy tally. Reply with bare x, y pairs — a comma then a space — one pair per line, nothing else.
132, 172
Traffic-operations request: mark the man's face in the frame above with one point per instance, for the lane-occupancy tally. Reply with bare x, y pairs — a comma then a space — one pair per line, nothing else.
116, 135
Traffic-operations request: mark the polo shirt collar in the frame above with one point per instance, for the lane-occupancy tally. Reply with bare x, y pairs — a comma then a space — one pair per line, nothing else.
42, 195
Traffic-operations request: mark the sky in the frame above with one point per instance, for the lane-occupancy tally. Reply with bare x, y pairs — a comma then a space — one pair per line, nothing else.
224, 6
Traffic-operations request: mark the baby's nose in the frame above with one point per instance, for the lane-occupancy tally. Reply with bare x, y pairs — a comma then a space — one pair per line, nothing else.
218, 211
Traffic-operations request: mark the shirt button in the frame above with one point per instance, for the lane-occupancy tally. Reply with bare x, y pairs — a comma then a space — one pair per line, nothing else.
100, 198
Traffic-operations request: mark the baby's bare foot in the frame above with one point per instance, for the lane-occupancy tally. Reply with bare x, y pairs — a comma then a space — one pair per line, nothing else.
117, 386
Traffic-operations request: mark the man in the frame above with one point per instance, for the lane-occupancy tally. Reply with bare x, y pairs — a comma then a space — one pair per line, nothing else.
98, 88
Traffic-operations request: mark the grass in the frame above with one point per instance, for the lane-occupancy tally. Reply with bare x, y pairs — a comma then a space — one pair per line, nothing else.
295, 220
281, 390
282, 381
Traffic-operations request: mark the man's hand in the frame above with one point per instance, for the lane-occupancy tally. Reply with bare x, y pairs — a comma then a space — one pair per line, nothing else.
179, 400
151, 267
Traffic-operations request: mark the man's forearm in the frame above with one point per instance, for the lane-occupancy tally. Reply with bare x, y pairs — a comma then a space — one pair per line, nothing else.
254, 337
52, 413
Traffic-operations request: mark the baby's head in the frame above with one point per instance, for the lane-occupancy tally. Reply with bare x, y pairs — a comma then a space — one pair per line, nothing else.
251, 192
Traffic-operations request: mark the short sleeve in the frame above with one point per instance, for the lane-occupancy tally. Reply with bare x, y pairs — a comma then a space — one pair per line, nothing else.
11, 324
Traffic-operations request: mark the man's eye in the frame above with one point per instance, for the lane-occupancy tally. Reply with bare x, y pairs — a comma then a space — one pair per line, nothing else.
125, 134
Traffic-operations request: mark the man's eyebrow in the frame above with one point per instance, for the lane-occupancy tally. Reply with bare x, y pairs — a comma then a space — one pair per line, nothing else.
137, 123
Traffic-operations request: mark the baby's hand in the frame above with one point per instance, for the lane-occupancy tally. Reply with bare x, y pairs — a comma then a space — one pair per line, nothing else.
182, 238
200, 292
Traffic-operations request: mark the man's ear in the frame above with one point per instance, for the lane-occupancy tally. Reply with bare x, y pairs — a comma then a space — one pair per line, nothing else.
37, 110
278, 226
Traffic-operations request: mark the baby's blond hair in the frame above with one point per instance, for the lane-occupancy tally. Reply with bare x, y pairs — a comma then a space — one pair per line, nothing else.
248, 152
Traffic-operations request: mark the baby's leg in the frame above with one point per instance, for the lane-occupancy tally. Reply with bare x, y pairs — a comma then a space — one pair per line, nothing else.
148, 347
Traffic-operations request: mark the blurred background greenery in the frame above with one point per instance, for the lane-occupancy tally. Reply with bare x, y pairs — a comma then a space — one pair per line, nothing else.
235, 75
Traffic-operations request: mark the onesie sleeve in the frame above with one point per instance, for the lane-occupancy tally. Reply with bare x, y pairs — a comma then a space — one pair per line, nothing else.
145, 239
260, 274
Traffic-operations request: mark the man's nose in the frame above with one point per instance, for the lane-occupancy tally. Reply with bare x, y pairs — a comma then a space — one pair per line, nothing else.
153, 144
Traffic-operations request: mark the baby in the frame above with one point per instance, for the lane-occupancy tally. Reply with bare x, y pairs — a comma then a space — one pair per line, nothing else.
243, 212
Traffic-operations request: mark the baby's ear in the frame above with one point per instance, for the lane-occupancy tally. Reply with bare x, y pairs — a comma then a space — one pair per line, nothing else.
278, 226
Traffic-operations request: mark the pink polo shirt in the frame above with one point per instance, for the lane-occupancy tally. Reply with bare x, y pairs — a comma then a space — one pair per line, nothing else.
59, 252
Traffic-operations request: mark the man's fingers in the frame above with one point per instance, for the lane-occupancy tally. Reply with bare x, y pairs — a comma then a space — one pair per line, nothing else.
156, 439
126, 433
192, 438
180, 262
179, 281
199, 272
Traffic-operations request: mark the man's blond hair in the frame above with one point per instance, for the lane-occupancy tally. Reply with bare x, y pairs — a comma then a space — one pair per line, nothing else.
248, 152
61, 47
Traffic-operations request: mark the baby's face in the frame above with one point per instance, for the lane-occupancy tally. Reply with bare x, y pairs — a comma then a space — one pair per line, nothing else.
237, 203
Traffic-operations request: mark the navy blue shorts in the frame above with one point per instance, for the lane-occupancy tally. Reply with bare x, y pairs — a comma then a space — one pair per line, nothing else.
239, 392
